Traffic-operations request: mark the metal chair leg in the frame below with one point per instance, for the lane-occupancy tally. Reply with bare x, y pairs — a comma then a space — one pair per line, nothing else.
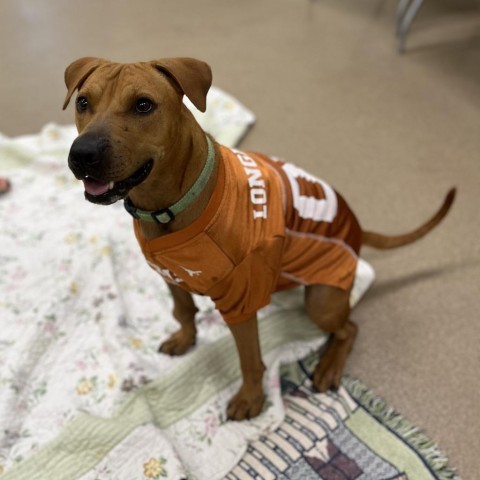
410, 11
401, 9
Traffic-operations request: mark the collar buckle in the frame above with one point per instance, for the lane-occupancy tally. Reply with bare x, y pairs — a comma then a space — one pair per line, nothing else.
163, 216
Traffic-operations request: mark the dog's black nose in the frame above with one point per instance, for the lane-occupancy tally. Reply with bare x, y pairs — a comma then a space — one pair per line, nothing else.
87, 150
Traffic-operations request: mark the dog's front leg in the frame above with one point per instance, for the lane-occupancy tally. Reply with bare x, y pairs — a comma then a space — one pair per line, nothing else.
184, 311
248, 401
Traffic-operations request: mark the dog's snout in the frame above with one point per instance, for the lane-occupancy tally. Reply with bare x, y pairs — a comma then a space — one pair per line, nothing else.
87, 150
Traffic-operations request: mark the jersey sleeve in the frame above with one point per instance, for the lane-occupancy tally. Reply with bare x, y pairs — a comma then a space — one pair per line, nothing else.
248, 287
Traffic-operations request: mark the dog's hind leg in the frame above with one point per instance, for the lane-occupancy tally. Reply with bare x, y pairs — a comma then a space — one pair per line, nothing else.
329, 308
184, 311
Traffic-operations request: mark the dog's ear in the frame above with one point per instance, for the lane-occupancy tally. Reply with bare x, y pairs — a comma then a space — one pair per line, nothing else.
193, 77
77, 72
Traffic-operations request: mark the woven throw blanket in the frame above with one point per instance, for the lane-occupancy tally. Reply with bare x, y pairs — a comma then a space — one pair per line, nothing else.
344, 435
84, 393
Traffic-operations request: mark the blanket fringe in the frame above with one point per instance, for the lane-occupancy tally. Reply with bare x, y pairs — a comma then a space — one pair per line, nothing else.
411, 434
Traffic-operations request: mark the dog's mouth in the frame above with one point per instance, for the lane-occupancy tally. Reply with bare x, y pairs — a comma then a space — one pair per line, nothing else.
106, 193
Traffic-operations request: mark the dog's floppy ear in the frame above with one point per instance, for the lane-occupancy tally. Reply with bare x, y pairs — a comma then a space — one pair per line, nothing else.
194, 77
77, 72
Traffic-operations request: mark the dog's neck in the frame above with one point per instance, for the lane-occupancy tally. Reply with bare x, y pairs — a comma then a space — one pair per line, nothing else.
187, 158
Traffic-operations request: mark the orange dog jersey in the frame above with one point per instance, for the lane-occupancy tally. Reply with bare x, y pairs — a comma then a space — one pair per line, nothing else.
268, 226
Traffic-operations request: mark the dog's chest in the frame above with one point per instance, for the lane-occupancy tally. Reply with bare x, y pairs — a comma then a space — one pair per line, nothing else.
196, 266
241, 218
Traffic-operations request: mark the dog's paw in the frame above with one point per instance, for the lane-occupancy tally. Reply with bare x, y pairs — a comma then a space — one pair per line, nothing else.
246, 404
178, 343
328, 373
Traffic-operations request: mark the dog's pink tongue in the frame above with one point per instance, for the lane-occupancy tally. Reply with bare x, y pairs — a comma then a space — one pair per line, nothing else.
93, 187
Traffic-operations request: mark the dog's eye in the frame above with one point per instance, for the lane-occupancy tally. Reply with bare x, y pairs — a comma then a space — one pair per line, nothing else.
143, 105
82, 104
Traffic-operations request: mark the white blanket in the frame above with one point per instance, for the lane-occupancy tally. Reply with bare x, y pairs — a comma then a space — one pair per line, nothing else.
83, 392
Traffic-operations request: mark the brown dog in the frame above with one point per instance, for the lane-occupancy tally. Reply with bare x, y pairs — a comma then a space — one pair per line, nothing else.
215, 221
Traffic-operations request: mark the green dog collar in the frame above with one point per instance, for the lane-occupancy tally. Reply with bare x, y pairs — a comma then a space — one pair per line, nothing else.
166, 215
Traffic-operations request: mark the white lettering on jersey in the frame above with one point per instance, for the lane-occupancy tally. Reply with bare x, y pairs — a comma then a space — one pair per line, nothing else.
166, 274
258, 193
192, 273
319, 210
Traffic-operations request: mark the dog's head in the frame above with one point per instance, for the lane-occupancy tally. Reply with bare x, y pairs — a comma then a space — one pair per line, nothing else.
127, 117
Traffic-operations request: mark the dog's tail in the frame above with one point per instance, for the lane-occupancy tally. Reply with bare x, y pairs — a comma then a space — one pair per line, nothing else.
377, 240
